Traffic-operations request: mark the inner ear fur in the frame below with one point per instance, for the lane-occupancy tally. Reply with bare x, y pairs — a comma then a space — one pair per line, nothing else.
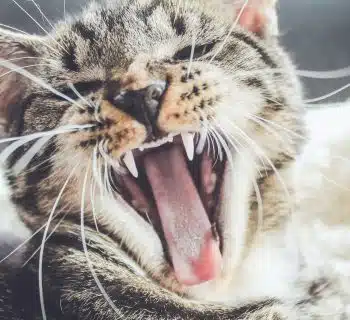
19, 50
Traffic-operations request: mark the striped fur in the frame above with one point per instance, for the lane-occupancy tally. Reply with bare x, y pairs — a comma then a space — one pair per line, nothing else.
251, 77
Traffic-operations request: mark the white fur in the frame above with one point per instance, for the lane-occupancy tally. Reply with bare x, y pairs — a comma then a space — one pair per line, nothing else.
316, 242
10, 222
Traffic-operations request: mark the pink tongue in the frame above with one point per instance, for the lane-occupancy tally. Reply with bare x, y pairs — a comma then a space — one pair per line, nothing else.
194, 251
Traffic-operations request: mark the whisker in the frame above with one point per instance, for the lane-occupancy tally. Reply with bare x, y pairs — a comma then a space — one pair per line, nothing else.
63, 129
255, 185
211, 145
24, 161
336, 184
330, 74
83, 238
14, 29
105, 155
259, 149
192, 54
95, 169
328, 95
276, 125
219, 151
28, 34
64, 11
48, 237
6, 153
95, 176
324, 75
233, 141
217, 154
42, 13
41, 256
72, 87
25, 67
92, 200
111, 179
33, 168
39, 25
230, 31
271, 130
25, 242
210, 138
263, 71
220, 141
240, 226
260, 205
37, 80
234, 125
106, 178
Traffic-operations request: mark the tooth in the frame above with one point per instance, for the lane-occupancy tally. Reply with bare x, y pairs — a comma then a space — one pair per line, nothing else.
171, 138
202, 141
129, 161
187, 140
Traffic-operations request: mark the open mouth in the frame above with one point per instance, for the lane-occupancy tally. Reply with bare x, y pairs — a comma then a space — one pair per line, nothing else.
177, 189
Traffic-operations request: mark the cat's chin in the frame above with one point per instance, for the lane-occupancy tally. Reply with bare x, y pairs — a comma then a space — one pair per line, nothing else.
177, 189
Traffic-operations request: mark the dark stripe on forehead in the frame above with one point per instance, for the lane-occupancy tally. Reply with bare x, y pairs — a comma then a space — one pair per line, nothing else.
69, 57
148, 10
84, 31
252, 43
178, 23
108, 18
254, 82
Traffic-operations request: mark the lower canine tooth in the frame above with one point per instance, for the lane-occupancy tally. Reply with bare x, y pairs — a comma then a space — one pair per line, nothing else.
129, 162
187, 139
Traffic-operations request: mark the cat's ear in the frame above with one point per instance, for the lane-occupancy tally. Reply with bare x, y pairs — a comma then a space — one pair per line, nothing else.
258, 16
22, 51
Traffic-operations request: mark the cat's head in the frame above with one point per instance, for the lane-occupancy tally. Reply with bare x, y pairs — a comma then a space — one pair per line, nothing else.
169, 119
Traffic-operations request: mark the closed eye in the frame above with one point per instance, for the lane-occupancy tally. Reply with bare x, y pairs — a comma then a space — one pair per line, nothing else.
199, 51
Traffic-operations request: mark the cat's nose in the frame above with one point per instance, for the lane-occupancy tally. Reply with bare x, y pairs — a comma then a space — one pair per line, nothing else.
143, 105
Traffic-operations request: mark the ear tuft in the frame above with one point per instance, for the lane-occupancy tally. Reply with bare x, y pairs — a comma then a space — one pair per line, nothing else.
258, 16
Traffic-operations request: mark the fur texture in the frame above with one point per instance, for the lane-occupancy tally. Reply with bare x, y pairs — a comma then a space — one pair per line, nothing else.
243, 90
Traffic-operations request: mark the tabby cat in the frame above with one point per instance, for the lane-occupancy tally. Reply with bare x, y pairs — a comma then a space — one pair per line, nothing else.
155, 168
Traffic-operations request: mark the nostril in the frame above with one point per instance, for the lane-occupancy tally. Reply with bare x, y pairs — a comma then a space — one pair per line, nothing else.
153, 96
155, 91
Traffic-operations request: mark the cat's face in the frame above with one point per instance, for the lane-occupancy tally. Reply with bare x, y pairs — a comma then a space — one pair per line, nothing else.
174, 110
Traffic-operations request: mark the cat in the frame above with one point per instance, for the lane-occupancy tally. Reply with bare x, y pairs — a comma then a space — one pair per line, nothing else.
157, 168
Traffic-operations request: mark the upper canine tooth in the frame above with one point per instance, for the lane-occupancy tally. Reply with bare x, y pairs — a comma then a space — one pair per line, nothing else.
202, 140
129, 162
187, 139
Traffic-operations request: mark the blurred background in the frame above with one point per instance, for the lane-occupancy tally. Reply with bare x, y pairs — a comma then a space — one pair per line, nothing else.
315, 32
